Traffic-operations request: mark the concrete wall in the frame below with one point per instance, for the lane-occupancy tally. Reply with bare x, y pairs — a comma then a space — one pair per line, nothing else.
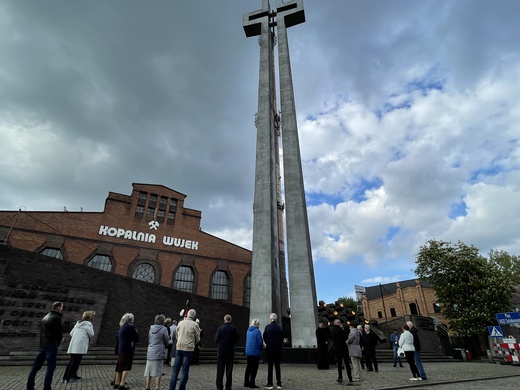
29, 283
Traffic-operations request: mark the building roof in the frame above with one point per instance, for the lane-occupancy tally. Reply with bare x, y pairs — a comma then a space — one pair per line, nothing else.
374, 292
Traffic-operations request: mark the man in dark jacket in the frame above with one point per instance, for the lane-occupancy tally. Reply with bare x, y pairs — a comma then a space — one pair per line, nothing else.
273, 339
226, 338
417, 346
370, 341
51, 334
339, 338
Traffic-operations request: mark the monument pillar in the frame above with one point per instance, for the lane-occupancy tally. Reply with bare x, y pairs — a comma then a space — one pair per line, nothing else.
302, 290
267, 266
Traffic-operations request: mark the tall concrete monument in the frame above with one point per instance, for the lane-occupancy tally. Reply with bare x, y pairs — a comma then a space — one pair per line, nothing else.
268, 264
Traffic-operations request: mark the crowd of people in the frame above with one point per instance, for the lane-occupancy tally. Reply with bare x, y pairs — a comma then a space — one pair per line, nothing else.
355, 349
169, 341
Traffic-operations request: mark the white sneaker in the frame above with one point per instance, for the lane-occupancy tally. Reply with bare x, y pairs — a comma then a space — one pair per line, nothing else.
414, 379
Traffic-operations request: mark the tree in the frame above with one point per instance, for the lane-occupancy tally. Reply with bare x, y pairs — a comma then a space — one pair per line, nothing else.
348, 302
470, 289
506, 263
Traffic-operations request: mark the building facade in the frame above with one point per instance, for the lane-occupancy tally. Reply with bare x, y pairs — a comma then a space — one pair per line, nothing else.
148, 235
387, 302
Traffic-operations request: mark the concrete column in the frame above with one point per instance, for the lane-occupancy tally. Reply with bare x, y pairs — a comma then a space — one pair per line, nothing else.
265, 269
302, 287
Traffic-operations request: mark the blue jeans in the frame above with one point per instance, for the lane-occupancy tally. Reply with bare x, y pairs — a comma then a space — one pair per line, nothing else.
418, 363
182, 358
49, 353
397, 358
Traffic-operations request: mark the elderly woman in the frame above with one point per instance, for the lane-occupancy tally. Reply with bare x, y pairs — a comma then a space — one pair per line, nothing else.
157, 341
126, 339
81, 334
406, 343
254, 345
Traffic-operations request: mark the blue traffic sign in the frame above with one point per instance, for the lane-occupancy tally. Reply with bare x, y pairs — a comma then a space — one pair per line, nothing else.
495, 331
508, 318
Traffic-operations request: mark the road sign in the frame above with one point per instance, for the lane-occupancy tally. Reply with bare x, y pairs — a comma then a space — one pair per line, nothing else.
508, 318
495, 331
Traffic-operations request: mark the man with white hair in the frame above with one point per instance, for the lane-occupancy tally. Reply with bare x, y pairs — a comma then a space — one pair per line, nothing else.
273, 338
188, 335
417, 346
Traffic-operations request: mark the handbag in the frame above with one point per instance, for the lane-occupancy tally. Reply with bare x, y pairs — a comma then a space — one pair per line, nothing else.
400, 351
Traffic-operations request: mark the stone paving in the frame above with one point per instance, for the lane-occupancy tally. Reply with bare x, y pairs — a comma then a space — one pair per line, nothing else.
450, 376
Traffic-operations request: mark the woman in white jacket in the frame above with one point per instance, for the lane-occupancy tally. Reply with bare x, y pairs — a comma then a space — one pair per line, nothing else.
406, 343
81, 334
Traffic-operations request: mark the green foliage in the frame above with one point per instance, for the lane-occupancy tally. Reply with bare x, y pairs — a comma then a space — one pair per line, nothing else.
348, 301
470, 289
506, 263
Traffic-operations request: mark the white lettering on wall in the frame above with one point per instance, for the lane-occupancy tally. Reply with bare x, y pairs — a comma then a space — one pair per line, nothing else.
147, 237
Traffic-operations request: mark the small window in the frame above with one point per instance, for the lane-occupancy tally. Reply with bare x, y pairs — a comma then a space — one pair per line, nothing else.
392, 312
413, 309
184, 279
141, 200
379, 314
171, 218
436, 308
163, 203
139, 211
160, 216
153, 200
101, 262
52, 252
150, 213
145, 272
173, 205
247, 291
220, 286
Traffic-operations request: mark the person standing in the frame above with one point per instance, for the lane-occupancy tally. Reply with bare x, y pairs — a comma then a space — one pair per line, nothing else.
339, 339
417, 346
354, 349
394, 340
322, 339
157, 342
226, 337
127, 338
51, 334
168, 351
254, 345
370, 341
406, 343
273, 338
361, 331
81, 334
173, 337
188, 335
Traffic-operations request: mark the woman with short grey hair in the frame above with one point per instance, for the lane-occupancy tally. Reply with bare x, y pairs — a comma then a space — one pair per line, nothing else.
157, 341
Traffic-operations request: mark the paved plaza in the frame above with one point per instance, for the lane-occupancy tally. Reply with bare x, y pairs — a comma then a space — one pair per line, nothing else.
450, 376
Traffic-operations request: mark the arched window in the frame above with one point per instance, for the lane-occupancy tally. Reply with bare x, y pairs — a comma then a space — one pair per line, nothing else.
220, 286
413, 309
184, 279
52, 252
101, 262
392, 312
247, 291
144, 272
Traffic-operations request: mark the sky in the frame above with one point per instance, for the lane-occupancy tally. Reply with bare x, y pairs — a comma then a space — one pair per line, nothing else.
408, 115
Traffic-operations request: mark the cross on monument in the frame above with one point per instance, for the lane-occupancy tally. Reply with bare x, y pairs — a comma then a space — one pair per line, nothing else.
267, 266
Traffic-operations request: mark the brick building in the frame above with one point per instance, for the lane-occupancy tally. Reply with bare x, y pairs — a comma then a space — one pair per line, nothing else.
388, 302
149, 236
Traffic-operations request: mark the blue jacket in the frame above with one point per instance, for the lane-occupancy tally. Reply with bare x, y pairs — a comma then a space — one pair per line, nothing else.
254, 342
127, 337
